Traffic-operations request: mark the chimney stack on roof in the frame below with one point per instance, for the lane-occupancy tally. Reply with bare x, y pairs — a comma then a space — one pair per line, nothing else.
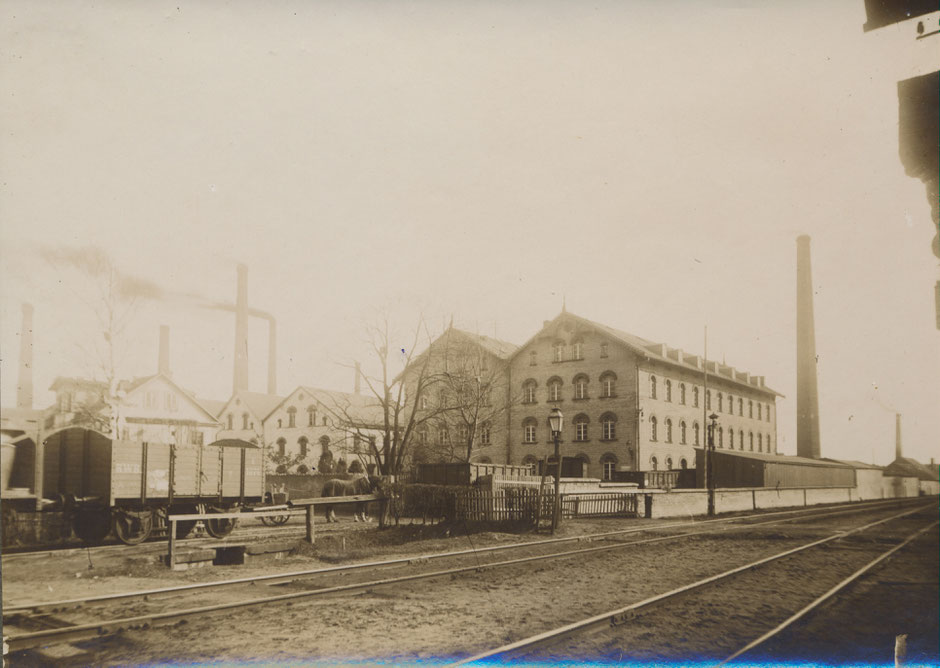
897, 436
163, 358
807, 395
24, 386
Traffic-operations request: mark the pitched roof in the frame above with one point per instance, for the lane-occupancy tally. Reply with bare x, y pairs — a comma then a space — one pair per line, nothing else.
214, 406
83, 383
856, 464
501, 349
905, 466
784, 459
259, 403
660, 353
359, 407
130, 386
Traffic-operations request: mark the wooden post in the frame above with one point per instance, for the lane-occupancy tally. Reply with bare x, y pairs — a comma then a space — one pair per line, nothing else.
171, 549
311, 509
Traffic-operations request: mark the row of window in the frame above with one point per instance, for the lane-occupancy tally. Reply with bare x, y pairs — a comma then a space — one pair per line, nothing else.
609, 463
762, 410
763, 441
291, 419
580, 426
444, 437
654, 464
580, 385
566, 353
324, 441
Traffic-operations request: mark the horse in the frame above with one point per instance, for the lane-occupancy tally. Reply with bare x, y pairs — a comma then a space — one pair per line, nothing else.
356, 486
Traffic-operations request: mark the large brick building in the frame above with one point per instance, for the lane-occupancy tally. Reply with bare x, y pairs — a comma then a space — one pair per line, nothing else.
630, 403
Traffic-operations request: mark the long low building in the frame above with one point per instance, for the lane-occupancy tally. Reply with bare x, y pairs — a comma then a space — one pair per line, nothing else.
753, 469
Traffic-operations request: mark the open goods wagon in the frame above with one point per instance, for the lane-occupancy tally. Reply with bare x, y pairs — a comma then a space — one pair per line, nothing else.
130, 486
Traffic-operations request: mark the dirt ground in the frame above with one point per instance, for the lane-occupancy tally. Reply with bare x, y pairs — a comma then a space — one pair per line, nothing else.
433, 621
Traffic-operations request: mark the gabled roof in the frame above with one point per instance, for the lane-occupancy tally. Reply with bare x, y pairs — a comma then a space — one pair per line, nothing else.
784, 459
504, 350
653, 351
905, 466
260, 404
213, 406
137, 383
361, 408
856, 464
80, 383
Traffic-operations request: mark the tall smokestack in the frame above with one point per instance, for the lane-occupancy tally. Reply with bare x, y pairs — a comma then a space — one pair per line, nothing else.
357, 385
24, 388
272, 356
240, 379
897, 436
163, 361
807, 395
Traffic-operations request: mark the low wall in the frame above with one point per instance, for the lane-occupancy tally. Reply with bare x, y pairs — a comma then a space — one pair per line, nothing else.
679, 503
900, 486
778, 498
682, 503
828, 495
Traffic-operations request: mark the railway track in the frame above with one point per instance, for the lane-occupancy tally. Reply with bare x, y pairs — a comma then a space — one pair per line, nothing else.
231, 594
574, 639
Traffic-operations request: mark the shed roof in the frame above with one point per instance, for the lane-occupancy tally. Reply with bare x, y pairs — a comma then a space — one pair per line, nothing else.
856, 464
784, 459
905, 466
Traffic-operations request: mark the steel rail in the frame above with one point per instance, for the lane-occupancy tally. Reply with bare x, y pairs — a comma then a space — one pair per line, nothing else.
626, 613
829, 594
802, 513
82, 631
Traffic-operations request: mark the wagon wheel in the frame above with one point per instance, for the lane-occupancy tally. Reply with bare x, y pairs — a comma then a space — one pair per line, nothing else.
275, 520
219, 528
133, 527
183, 527
92, 525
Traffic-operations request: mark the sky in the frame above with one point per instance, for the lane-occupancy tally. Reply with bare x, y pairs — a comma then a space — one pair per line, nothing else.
648, 164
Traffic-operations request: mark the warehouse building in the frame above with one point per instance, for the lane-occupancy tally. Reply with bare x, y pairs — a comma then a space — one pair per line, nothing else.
753, 469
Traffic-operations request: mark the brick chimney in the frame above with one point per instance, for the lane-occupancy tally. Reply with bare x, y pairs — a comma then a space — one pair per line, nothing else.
240, 375
807, 395
897, 436
163, 360
24, 387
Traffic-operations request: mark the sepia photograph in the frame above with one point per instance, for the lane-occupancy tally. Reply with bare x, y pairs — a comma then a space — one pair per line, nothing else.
413, 333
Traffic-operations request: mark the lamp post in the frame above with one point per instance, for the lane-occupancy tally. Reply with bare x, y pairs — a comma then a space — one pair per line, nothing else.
709, 473
555, 422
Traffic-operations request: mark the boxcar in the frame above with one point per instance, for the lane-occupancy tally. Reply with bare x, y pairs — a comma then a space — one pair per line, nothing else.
131, 486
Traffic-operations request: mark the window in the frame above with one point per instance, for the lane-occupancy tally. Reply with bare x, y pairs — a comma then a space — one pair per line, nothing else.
668, 386
324, 421
302, 442
721, 437
169, 400
682, 432
229, 419
652, 387
759, 413
695, 397
528, 392
731, 438
682, 393
463, 433
609, 426
443, 436
282, 446
603, 350
531, 358
150, 400
750, 409
609, 464
683, 464
740, 407
423, 437
719, 402
750, 439
578, 350
653, 429
279, 421
708, 400
668, 424
311, 416
244, 420
760, 442
291, 417
554, 389
768, 412
653, 464
608, 384
769, 449
485, 433
741, 439
731, 404
695, 431
423, 403
528, 428
530, 461
580, 387
558, 352
196, 437
668, 463
581, 428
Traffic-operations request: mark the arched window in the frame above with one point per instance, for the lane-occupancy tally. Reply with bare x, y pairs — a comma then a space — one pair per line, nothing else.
282, 446
530, 460
721, 437
558, 352
577, 350
668, 386
750, 439
324, 421
653, 464
708, 400
485, 434
760, 442
741, 439
760, 414
311, 416
423, 436
683, 464
528, 392
608, 426
652, 387
609, 464
730, 404
291, 417
229, 420
695, 431
682, 432
244, 420
463, 433
768, 412
443, 435
528, 430
682, 393
719, 402
750, 408
695, 397
740, 406
580, 386
653, 428
554, 389
580, 427
731, 438
608, 384
302, 442
769, 448
668, 424
668, 464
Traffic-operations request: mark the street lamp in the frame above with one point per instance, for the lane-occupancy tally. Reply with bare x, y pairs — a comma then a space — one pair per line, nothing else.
709, 472
555, 422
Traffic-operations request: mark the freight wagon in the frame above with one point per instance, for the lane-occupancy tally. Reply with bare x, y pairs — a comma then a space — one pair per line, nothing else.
130, 486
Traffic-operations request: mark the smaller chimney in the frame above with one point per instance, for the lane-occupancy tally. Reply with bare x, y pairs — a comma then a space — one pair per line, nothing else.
272, 356
163, 361
357, 387
24, 389
897, 436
